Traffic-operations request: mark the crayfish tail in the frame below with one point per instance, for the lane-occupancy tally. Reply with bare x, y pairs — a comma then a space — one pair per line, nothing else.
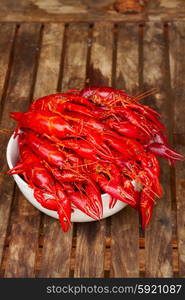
65, 223
146, 214
16, 115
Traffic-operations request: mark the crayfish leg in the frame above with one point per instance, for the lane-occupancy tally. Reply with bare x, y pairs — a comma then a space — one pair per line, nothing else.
19, 168
112, 202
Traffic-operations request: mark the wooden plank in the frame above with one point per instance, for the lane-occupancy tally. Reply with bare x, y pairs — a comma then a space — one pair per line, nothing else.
177, 64
100, 68
124, 229
24, 233
107, 263
53, 264
75, 57
57, 11
163, 5
90, 248
49, 61
90, 11
7, 32
158, 253
56, 252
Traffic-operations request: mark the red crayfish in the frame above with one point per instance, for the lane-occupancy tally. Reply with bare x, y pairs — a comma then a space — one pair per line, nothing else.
81, 144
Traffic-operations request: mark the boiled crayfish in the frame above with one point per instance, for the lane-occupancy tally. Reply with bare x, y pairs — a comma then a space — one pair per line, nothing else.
81, 144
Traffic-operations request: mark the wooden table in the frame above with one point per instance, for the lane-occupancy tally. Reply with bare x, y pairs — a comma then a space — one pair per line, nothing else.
38, 59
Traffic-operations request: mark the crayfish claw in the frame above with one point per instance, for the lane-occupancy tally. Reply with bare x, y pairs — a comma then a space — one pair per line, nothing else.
164, 151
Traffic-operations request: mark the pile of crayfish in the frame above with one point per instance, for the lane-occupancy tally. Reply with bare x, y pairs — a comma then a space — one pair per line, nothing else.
74, 146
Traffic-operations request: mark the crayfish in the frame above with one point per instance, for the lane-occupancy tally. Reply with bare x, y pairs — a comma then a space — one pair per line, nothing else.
76, 145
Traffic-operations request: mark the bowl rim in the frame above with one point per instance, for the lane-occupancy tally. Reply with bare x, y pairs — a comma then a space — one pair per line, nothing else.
10, 164
74, 218
9, 161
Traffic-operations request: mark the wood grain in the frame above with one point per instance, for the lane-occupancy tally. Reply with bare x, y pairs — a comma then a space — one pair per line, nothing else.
7, 32
163, 5
90, 11
177, 64
125, 225
24, 233
90, 248
75, 57
53, 264
34, 245
107, 260
158, 252
56, 252
56, 262
49, 60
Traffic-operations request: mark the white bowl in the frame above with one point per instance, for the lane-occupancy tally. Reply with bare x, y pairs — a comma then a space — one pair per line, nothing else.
12, 155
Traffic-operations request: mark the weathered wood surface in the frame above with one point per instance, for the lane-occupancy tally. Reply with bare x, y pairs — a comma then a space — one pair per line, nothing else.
74, 69
72, 75
90, 248
107, 258
37, 60
49, 60
159, 233
91, 11
24, 231
125, 225
52, 263
7, 32
177, 64
6, 192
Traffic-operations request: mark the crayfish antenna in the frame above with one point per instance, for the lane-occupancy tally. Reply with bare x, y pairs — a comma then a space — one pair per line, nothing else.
74, 91
146, 94
6, 131
19, 168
